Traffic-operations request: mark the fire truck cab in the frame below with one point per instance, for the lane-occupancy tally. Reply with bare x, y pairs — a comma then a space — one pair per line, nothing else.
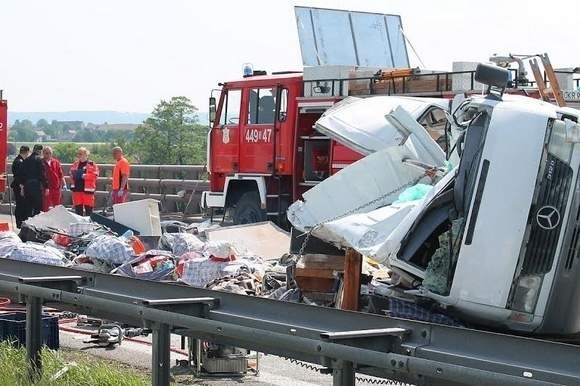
250, 146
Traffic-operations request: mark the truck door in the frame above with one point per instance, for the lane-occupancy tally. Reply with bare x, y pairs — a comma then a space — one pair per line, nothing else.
225, 134
258, 131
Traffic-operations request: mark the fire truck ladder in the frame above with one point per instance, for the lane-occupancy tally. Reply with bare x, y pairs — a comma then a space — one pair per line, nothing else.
547, 93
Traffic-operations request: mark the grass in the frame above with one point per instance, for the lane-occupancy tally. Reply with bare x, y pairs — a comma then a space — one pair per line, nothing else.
88, 371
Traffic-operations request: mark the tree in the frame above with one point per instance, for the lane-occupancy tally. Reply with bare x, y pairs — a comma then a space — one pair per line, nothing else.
171, 135
42, 124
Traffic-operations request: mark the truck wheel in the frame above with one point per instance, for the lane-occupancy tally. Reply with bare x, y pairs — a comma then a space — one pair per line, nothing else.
248, 209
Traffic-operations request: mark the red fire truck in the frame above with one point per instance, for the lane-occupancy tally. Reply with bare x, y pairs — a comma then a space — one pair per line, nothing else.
263, 152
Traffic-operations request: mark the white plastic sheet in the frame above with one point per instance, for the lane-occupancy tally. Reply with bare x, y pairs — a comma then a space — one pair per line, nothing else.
57, 218
8, 241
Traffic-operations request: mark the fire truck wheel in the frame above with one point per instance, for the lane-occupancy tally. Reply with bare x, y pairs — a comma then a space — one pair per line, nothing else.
248, 209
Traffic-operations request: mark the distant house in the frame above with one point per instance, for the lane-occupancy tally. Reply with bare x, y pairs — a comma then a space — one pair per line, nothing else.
42, 136
68, 135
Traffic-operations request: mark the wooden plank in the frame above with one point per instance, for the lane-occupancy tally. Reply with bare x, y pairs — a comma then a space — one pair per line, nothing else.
351, 285
554, 85
539, 80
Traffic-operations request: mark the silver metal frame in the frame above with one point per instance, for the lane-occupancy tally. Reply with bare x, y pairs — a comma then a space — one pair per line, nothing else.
402, 350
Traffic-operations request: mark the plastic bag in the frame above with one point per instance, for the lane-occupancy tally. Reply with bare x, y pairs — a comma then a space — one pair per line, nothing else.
202, 271
110, 249
413, 193
198, 271
181, 243
153, 265
80, 228
38, 253
220, 250
8, 241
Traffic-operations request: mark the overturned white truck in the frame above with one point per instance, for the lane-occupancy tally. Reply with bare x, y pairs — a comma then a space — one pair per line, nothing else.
495, 240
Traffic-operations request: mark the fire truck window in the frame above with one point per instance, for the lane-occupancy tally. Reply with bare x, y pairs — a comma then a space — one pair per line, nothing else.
262, 106
231, 111
434, 122
283, 112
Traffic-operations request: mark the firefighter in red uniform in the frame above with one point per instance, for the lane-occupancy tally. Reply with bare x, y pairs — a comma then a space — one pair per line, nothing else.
55, 180
83, 174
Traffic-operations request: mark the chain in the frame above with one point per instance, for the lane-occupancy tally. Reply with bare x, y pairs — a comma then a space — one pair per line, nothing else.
360, 207
322, 370
325, 371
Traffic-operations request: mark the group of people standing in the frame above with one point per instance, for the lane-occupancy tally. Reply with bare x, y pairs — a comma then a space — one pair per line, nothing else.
38, 181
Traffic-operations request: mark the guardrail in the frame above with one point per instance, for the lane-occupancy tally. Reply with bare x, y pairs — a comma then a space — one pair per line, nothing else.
341, 341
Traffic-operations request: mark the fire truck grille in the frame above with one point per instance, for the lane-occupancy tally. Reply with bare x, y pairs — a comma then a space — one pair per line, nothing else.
547, 216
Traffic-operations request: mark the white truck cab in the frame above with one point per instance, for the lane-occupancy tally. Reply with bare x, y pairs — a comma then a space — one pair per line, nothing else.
497, 241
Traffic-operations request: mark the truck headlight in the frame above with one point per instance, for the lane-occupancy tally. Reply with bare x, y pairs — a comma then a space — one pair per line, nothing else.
526, 293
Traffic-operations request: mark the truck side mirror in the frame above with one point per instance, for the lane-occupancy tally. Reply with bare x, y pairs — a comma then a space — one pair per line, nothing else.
495, 78
212, 109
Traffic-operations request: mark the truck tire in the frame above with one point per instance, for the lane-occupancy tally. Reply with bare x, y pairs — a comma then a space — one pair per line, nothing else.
248, 209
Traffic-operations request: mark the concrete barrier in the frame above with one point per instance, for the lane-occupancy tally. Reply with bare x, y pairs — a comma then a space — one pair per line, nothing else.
160, 182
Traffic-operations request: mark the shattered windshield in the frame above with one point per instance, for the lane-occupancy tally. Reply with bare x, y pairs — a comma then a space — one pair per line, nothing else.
434, 241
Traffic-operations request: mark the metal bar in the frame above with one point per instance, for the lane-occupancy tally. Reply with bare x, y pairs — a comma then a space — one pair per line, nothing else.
431, 353
161, 362
353, 39
142, 167
399, 332
41, 279
159, 302
343, 374
34, 336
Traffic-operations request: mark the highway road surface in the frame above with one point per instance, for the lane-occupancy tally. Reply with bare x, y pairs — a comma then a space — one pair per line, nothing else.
273, 370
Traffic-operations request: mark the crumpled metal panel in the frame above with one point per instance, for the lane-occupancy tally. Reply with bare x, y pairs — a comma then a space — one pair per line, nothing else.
362, 123
353, 207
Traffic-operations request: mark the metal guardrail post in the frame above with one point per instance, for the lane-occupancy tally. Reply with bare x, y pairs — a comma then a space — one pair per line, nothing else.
161, 362
343, 374
34, 336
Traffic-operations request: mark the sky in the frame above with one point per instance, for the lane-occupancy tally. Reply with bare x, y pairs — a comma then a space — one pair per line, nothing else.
127, 55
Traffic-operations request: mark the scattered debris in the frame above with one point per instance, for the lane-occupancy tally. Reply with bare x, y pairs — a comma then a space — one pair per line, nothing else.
108, 335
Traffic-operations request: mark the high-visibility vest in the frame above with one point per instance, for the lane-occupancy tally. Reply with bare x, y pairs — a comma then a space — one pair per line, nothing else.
91, 173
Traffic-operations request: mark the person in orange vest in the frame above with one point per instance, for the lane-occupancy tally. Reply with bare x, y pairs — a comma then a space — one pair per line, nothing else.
121, 173
83, 176
54, 178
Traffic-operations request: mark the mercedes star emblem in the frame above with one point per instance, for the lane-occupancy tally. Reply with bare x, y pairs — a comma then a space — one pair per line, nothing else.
548, 217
